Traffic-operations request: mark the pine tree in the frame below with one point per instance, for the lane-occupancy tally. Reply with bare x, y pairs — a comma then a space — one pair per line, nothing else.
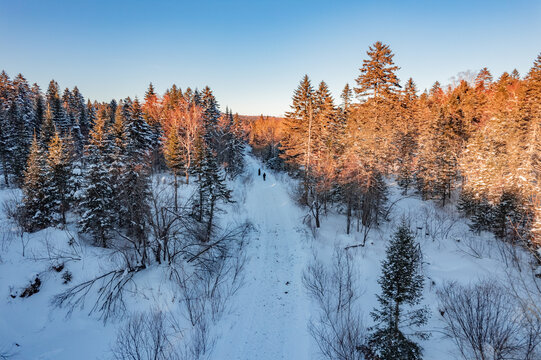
48, 128
378, 74
21, 120
54, 101
39, 110
36, 211
97, 202
233, 146
136, 176
211, 189
152, 115
59, 182
299, 128
79, 128
406, 136
118, 137
346, 96
401, 284
483, 79
211, 115
5, 102
174, 157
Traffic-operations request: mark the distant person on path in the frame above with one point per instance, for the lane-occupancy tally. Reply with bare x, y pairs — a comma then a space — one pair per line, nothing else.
258, 171
264, 176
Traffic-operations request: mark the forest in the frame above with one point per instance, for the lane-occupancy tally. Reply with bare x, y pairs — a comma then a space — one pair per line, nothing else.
147, 219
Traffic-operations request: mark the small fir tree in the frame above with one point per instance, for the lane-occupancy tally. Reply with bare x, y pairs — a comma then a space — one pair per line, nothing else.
401, 284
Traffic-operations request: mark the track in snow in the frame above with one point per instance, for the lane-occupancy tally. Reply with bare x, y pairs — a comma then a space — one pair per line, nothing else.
271, 311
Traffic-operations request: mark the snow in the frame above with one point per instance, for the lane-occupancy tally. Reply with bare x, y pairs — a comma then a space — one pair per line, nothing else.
268, 317
272, 309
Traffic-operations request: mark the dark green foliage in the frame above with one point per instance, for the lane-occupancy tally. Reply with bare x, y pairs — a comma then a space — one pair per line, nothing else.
211, 189
401, 285
59, 182
507, 218
34, 208
97, 202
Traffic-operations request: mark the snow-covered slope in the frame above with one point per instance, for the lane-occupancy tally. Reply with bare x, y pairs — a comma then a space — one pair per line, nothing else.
269, 315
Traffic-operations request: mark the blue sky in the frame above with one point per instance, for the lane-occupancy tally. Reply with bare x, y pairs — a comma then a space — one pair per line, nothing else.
253, 53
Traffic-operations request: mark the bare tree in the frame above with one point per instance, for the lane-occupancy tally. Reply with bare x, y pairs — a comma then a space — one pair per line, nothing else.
145, 336
338, 329
486, 322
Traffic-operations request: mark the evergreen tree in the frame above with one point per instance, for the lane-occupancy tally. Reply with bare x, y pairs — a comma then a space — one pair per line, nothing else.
136, 186
39, 110
211, 116
48, 128
406, 135
152, 114
21, 118
118, 137
401, 284
298, 143
97, 202
79, 127
59, 182
346, 96
233, 146
174, 157
36, 211
211, 189
54, 102
378, 73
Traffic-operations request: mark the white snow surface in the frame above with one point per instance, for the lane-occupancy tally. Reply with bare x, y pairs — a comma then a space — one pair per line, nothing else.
268, 317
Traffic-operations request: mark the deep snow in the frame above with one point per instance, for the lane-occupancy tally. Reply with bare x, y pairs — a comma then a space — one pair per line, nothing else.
270, 313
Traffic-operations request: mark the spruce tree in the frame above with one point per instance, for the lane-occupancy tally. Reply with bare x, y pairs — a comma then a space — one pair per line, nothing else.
59, 182
151, 114
211, 189
211, 116
36, 210
48, 128
406, 136
118, 137
54, 101
378, 74
136, 176
97, 202
401, 285
233, 146
21, 120
39, 109
174, 157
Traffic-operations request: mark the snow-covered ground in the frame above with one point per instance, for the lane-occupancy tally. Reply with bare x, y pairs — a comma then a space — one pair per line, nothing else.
272, 309
268, 317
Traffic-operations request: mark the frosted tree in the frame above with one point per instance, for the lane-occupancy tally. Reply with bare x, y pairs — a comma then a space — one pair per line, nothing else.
97, 201
54, 101
59, 161
36, 210
211, 189
401, 285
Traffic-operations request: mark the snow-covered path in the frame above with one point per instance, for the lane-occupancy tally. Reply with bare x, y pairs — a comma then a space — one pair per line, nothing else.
272, 309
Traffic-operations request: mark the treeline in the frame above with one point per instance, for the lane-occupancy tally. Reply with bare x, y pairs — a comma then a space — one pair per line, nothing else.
97, 159
264, 134
482, 138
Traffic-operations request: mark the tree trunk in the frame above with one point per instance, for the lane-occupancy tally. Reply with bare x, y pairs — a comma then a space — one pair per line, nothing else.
317, 214
211, 215
348, 222
176, 191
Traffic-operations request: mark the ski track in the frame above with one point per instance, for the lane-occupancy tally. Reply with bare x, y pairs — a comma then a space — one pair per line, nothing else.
271, 312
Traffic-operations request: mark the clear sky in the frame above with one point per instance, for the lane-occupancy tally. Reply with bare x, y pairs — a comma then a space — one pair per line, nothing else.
253, 53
